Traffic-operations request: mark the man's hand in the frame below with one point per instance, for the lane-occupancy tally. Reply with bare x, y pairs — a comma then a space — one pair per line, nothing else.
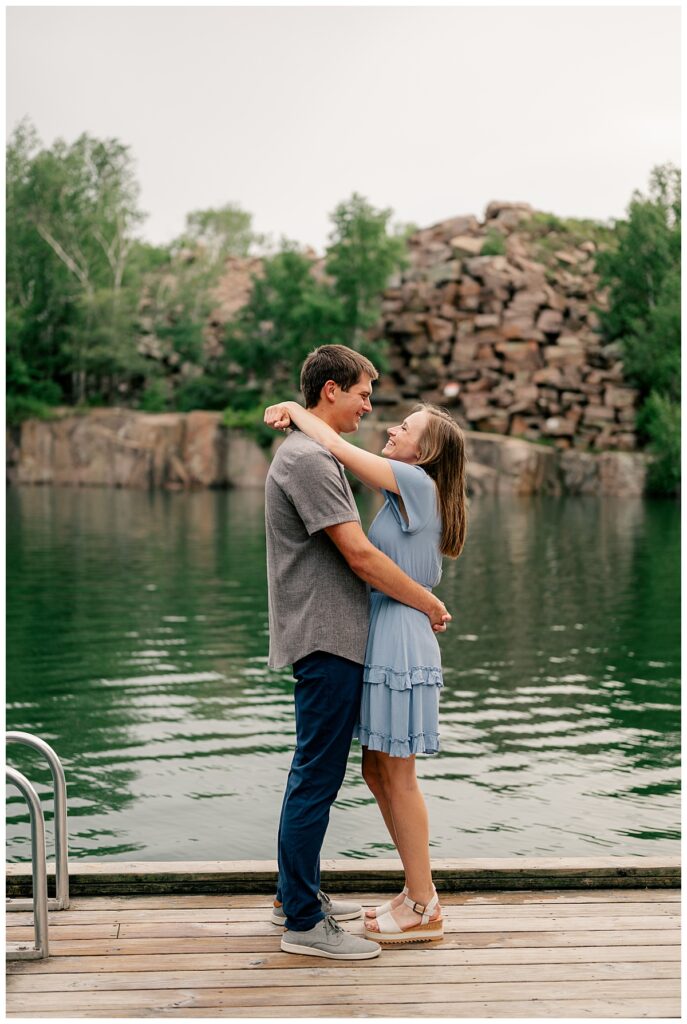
380, 572
439, 616
277, 416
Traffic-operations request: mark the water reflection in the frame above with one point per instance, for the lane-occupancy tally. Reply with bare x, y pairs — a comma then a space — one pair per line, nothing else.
137, 642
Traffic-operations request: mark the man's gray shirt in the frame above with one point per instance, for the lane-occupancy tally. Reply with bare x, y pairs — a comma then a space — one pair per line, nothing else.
316, 602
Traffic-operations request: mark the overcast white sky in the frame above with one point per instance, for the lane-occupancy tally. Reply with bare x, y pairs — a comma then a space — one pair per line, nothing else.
433, 111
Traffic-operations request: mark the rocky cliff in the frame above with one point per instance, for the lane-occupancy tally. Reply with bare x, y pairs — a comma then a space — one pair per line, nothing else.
122, 448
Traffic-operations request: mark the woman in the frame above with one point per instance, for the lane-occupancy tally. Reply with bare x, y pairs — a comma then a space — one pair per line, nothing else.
424, 517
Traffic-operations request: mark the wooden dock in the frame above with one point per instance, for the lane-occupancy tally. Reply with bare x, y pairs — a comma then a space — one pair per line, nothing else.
566, 952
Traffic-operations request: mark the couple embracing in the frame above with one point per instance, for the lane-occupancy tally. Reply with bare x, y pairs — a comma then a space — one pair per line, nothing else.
356, 618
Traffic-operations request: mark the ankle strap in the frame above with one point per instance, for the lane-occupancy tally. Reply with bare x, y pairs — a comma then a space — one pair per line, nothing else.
425, 910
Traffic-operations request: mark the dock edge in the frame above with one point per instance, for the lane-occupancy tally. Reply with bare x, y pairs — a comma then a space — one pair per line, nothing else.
115, 878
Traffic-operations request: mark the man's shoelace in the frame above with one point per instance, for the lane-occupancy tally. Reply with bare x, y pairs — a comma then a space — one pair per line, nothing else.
331, 925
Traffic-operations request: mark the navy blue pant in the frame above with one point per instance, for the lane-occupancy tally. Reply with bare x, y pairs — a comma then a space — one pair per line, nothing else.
327, 702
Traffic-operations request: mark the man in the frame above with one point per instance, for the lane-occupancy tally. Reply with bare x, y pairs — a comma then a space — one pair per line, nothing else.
319, 563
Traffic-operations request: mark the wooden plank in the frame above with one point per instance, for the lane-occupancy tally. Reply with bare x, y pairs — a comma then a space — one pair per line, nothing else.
387, 995
544, 1008
347, 976
571, 1009
69, 918
162, 929
19, 933
65, 946
435, 955
543, 897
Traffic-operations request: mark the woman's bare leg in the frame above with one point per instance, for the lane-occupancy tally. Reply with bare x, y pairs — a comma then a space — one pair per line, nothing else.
373, 778
411, 828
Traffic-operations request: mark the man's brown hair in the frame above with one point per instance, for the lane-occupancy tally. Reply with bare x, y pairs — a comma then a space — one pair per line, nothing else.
332, 362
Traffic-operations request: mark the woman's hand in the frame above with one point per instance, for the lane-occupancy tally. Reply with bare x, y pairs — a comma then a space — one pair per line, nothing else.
439, 615
278, 416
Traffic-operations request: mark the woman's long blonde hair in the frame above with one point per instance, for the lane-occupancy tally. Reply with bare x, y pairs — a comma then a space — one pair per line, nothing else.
442, 456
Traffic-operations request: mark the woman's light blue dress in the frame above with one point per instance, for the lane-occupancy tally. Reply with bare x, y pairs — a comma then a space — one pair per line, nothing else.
399, 711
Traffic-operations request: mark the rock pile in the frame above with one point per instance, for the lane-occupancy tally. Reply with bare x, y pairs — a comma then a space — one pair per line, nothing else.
510, 341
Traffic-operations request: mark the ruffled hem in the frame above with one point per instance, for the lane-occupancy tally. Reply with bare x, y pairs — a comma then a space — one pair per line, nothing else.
404, 679
423, 743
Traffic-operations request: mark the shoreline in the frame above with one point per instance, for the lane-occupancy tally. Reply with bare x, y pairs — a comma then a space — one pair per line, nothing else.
352, 875
180, 451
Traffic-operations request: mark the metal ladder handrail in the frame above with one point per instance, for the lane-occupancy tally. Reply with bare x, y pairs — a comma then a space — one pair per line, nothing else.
39, 871
61, 899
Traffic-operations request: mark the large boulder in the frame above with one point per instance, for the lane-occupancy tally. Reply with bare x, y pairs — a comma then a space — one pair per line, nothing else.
146, 451
622, 474
247, 464
204, 449
498, 207
522, 467
610, 474
30, 453
466, 245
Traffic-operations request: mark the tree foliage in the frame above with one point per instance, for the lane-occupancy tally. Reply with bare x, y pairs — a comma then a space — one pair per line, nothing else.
362, 255
297, 304
642, 272
178, 300
71, 214
289, 313
226, 231
94, 314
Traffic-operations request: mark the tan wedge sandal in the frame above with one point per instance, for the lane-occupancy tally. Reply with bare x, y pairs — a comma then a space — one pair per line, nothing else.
385, 908
427, 931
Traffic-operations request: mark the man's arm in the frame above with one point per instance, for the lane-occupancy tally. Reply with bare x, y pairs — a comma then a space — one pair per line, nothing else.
383, 574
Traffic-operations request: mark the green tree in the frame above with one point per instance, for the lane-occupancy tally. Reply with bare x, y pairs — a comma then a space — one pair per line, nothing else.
659, 419
363, 254
296, 304
642, 272
222, 232
290, 312
71, 216
37, 314
178, 300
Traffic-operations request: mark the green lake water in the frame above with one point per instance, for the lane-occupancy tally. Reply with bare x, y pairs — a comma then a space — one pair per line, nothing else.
137, 647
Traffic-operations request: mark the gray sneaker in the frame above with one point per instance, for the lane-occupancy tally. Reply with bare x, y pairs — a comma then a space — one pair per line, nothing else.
340, 910
329, 939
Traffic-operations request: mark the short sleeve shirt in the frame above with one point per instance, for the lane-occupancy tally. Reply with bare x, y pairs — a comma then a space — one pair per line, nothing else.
316, 602
412, 540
